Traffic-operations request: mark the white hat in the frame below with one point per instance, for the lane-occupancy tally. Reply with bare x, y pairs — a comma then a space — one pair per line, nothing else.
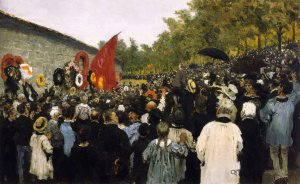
233, 88
54, 111
260, 81
248, 110
205, 75
126, 88
230, 94
121, 108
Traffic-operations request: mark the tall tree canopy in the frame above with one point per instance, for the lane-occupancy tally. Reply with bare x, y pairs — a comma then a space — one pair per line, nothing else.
235, 26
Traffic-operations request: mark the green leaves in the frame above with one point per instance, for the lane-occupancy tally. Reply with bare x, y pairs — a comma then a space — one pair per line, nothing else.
234, 26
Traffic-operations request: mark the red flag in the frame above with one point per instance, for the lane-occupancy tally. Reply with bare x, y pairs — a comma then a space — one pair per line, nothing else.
103, 65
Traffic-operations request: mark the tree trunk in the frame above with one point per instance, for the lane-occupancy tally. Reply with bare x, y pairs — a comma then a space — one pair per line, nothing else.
259, 41
238, 47
279, 36
265, 39
294, 31
246, 45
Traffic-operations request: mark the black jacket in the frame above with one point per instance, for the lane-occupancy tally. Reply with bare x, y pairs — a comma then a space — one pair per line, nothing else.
113, 144
24, 130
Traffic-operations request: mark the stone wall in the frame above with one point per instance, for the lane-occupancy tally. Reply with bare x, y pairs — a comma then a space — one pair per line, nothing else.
41, 48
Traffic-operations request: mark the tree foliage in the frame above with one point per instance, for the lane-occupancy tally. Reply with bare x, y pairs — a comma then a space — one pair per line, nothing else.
235, 26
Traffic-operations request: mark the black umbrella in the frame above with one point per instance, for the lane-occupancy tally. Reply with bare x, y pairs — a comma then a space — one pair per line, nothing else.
214, 53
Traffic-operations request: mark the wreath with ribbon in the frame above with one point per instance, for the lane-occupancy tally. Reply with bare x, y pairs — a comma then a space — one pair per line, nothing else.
71, 66
79, 80
10, 60
13, 72
82, 55
40, 80
59, 76
19, 60
91, 78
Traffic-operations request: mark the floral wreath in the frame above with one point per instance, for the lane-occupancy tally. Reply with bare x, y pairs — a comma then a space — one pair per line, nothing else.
71, 65
19, 60
85, 59
13, 72
58, 76
79, 80
40, 80
91, 78
10, 60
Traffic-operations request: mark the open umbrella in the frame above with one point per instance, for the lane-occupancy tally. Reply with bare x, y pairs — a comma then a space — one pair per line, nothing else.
214, 53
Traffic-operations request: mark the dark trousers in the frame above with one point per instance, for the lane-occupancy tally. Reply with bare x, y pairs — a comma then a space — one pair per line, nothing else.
58, 159
178, 94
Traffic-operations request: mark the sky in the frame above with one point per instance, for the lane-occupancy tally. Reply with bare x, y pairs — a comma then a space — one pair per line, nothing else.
93, 20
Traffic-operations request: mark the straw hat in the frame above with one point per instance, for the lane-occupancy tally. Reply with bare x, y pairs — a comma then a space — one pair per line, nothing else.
191, 86
72, 91
40, 124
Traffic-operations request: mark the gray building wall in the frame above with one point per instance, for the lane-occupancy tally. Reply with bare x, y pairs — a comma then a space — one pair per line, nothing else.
41, 48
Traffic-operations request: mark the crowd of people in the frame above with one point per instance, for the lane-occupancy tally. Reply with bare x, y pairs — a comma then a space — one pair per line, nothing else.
187, 126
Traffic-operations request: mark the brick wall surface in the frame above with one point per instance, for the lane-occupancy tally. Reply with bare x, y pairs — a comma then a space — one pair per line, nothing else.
40, 50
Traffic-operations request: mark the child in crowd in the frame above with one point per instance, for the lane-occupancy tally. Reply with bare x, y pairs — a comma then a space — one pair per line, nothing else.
140, 169
161, 155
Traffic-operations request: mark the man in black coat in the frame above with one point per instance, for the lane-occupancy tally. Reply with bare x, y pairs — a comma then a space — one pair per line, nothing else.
24, 131
114, 145
179, 84
9, 149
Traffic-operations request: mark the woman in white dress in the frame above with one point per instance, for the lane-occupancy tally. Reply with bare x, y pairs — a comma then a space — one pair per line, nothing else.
41, 158
218, 147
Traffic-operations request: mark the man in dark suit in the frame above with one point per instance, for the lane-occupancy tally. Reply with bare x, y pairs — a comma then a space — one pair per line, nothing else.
115, 146
24, 131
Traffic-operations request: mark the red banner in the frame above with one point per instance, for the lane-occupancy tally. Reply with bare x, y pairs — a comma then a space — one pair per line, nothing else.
103, 65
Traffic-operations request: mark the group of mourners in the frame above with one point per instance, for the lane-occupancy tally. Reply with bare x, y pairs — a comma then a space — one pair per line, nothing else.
228, 131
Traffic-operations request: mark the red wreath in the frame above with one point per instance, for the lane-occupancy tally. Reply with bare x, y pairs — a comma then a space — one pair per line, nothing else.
9, 60
18, 60
86, 65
